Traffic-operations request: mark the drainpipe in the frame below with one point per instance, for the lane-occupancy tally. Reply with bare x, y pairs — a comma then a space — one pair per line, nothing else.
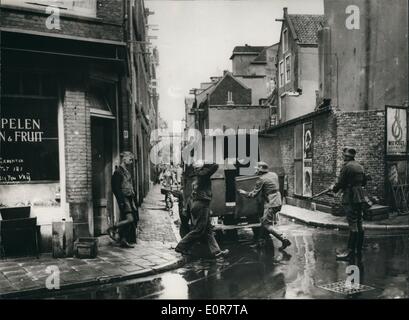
367, 54
132, 129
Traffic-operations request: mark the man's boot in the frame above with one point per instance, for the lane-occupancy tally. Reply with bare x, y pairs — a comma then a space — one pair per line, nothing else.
350, 252
284, 241
125, 244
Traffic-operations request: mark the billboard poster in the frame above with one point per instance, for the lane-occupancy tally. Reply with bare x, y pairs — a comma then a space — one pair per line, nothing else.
307, 160
396, 131
308, 140
307, 178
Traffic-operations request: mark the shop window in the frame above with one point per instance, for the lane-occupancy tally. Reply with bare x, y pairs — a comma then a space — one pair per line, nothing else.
29, 128
29, 83
10, 82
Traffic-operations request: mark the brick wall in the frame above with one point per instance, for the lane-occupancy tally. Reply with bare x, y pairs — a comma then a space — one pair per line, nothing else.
77, 131
332, 131
108, 24
325, 150
365, 131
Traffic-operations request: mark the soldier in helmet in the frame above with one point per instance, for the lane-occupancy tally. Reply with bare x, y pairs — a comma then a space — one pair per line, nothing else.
268, 184
351, 180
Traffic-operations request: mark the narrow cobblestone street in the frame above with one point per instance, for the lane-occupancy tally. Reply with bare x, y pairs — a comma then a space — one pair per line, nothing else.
301, 272
151, 255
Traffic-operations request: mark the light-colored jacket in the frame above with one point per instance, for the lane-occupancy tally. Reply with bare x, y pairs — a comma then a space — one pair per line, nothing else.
269, 185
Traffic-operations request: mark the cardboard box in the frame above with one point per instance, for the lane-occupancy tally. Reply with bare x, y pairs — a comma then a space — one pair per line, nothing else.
86, 248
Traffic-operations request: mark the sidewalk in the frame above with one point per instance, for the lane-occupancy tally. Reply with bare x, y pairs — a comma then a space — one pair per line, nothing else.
326, 220
153, 254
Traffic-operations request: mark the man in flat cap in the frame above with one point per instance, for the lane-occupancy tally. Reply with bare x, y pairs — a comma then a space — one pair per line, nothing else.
351, 180
122, 187
268, 185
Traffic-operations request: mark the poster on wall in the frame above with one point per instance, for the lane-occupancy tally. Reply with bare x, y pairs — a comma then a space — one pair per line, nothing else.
307, 178
308, 140
397, 172
307, 159
396, 131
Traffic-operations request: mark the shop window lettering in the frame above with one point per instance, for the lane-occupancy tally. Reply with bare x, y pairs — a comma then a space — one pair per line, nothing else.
21, 130
13, 170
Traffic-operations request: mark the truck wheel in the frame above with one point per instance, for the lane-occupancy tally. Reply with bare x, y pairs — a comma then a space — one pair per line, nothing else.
229, 220
256, 233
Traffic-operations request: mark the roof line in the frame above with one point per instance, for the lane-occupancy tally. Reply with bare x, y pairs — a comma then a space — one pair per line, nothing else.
292, 28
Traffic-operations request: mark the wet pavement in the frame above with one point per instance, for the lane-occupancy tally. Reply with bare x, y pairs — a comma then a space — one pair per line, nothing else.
152, 254
269, 274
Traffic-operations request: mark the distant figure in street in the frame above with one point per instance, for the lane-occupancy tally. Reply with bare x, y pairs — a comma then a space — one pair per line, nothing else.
351, 180
122, 187
268, 184
200, 212
167, 178
179, 172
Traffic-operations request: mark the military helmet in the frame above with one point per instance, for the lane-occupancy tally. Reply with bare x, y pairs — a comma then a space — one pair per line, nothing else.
262, 167
350, 152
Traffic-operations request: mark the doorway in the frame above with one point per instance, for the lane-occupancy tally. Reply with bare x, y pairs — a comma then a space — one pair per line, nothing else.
102, 149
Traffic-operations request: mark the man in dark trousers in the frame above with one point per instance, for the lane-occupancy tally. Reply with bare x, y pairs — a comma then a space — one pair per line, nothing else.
200, 212
268, 185
122, 187
351, 180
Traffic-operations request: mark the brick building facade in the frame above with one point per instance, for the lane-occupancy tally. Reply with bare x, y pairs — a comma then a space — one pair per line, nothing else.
75, 81
332, 130
357, 80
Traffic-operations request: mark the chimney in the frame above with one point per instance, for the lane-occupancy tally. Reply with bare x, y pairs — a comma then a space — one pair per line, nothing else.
225, 72
285, 11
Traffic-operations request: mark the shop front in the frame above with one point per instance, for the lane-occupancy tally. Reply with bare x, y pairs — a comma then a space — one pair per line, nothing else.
59, 136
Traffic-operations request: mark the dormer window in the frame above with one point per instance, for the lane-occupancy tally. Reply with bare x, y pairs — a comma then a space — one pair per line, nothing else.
285, 40
230, 98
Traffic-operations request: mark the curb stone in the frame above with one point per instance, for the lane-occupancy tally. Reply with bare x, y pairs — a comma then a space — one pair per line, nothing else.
344, 226
99, 281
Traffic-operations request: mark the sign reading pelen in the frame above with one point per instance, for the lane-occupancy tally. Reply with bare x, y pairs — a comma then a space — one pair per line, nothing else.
396, 131
28, 141
20, 130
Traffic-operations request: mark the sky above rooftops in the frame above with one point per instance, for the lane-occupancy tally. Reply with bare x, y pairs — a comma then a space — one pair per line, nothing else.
196, 39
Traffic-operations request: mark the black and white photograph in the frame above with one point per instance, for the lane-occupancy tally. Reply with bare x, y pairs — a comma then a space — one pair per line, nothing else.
186, 150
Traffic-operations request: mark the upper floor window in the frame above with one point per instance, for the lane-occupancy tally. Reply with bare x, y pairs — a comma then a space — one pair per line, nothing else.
287, 69
281, 73
285, 40
81, 8
230, 98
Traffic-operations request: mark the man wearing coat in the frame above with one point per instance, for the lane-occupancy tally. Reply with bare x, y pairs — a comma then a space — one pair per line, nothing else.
351, 180
122, 187
200, 212
268, 185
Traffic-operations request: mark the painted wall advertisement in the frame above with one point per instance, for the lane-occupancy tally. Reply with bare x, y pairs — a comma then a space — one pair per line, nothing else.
396, 131
307, 159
